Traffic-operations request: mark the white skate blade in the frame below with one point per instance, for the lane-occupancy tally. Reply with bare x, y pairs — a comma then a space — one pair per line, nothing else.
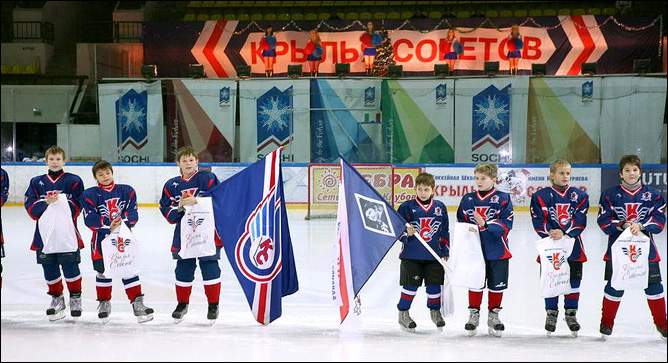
57, 316
178, 321
104, 320
472, 333
145, 318
549, 334
75, 318
574, 333
439, 329
604, 337
496, 333
212, 322
409, 330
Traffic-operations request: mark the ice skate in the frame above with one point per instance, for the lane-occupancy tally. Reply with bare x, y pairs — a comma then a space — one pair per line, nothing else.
551, 321
75, 305
141, 311
406, 322
474, 319
104, 311
212, 314
56, 310
605, 331
572, 322
437, 318
180, 312
495, 325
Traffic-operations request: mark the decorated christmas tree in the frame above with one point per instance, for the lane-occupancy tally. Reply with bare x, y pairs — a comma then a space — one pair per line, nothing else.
385, 56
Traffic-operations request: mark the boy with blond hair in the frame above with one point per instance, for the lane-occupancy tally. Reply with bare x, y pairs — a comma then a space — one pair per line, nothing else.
558, 211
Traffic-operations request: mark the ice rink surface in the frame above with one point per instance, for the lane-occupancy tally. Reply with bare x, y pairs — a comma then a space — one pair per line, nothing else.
309, 329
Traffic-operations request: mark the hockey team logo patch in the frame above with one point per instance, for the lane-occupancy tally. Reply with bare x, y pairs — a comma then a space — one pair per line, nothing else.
563, 214
491, 118
112, 208
557, 260
427, 227
258, 253
274, 118
633, 252
195, 222
374, 215
131, 120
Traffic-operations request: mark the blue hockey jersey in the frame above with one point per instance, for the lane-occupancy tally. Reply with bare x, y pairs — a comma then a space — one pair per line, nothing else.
497, 210
103, 204
431, 222
567, 211
645, 205
35, 200
174, 190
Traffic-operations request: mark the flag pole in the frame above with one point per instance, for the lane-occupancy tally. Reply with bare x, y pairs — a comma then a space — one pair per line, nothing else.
431, 250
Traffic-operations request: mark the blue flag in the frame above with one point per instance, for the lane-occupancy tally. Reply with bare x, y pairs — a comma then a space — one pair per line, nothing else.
249, 209
367, 227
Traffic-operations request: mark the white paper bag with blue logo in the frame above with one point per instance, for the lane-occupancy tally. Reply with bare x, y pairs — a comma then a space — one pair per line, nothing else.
467, 258
555, 272
630, 261
198, 230
120, 251
57, 228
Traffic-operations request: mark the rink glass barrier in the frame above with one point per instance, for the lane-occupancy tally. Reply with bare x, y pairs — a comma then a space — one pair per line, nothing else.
505, 120
453, 181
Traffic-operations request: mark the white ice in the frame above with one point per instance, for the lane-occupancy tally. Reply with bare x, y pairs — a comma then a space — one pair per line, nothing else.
309, 329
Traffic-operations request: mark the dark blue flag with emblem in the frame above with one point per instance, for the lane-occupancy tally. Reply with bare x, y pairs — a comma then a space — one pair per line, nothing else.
367, 227
249, 209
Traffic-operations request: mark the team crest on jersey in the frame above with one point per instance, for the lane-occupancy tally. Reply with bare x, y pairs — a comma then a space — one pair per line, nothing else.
192, 192
557, 260
562, 213
646, 196
487, 213
632, 212
120, 243
633, 252
112, 208
437, 212
494, 199
374, 215
427, 227
574, 197
258, 253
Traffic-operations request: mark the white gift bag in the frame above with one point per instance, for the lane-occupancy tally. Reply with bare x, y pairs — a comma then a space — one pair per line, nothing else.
555, 272
120, 251
198, 230
447, 295
57, 228
630, 261
468, 262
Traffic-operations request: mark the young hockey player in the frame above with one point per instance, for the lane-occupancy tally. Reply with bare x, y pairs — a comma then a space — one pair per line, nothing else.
492, 211
177, 193
557, 211
642, 209
429, 218
106, 206
43, 192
